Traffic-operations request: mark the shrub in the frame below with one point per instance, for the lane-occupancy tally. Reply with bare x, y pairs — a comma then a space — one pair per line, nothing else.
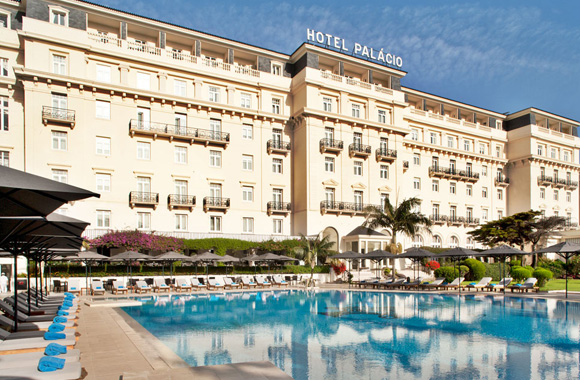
387, 271
542, 275
530, 268
449, 273
519, 274
517, 263
476, 269
493, 270
554, 266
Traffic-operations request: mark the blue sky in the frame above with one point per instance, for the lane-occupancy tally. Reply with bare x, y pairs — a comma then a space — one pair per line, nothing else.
501, 55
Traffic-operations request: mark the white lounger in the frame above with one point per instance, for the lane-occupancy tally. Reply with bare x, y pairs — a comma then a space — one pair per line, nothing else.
481, 284
72, 370
32, 358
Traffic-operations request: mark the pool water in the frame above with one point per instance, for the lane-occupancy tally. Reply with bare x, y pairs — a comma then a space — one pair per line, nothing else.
370, 335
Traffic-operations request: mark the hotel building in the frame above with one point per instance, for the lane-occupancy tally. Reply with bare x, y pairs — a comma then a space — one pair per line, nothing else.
194, 135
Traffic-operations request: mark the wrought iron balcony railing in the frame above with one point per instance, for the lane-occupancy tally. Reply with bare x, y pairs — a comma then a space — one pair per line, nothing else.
331, 145
59, 115
278, 146
345, 207
216, 203
177, 131
462, 175
384, 154
438, 218
355, 149
143, 198
279, 207
181, 200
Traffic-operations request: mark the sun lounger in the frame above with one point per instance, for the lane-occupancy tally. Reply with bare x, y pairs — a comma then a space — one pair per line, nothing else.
5, 335
159, 285
453, 284
230, 284
480, 285
74, 286
29, 326
23, 317
183, 285
32, 358
32, 343
34, 310
412, 284
72, 370
97, 287
118, 287
529, 284
213, 284
277, 280
433, 284
500, 285
142, 287
394, 284
262, 283
195, 284
247, 283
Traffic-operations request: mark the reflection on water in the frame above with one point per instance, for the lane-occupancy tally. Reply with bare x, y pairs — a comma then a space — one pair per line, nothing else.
368, 335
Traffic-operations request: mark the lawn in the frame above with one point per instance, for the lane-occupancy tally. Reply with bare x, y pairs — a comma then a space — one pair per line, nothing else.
559, 284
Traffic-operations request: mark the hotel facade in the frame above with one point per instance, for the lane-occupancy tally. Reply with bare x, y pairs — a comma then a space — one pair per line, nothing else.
194, 135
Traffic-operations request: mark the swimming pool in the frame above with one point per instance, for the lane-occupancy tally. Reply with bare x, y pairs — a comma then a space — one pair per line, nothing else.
372, 335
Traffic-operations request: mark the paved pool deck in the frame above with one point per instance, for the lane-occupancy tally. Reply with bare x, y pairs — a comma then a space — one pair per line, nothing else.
114, 346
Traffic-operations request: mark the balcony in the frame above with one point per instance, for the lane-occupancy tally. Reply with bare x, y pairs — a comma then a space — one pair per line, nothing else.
58, 116
438, 219
283, 208
384, 154
177, 132
181, 201
544, 181
469, 221
348, 208
571, 185
359, 150
143, 199
502, 180
468, 176
331, 146
558, 182
455, 220
277, 146
216, 204
452, 173
405, 165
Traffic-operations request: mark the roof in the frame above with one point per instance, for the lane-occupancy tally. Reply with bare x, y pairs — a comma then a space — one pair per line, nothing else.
361, 230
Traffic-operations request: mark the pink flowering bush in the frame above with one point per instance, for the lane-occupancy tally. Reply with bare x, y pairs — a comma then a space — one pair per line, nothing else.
137, 241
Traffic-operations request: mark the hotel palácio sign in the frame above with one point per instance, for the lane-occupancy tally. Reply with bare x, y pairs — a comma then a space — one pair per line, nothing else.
339, 43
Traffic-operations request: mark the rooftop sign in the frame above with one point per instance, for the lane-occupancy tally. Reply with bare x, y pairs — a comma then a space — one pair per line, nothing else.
337, 43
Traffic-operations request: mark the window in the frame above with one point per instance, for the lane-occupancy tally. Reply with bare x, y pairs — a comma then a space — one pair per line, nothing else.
356, 111
358, 200
469, 190
215, 223
553, 153
104, 146
247, 193
143, 81
59, 140
435, 210
214, 94
329, 134
436, 243
3, 113
277, 165
414, 135
540, 150
453, 242
469, 244
246, 100
247, 132
277, 196
417, 183
180, 222
215, 190
384, 198
248, 225
327, 104
382, 116
416, 159
417, 241
384, 172
143, 220
59, 101
466, 145
3, 20
58, 17
143, 118
215, 158
433, 136
453, 212
103, 218
215, 126
143, 150
542, 172
103, 182
329, 164
180, 123
3, 67
499, 214
566, 155
357, 139
498, 151
103, 110
484, 171
556, 174
276, 105
435, 185
469, 214
329, 195
568, 177
144, 184
450, 142
484, 215
59, 175
103, 73
452, 166
542, 193
277, 226
180, 187
179, 87
452, 187
482, 149
358, 168
484, 192
4, 158
568, 197
469, 168
500, 194
276, 69
180, 155
556, 195
247, 162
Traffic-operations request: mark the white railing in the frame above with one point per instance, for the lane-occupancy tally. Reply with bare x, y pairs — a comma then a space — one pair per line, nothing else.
180, 56
355, 82
246, 71
143, 47
328, 75
105, 39
95, 233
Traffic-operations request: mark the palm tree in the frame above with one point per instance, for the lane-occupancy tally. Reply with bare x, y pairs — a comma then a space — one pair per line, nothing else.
314, 248
398, 219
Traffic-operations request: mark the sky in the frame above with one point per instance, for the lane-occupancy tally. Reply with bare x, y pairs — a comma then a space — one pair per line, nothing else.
501, 55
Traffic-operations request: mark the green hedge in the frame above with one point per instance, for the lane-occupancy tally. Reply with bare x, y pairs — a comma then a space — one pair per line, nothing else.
557, 267
222, 245
476, 269
519, 274
493, 270
449, 273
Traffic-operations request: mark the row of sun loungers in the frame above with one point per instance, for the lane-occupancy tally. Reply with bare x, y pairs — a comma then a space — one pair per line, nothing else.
43, 346
439, 284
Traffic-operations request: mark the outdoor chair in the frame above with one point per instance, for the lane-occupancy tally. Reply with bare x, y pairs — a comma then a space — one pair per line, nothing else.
182, 285
248, 283
412, 284
480, 285
277, 280
196, 284
500, 285
56, 286
142, 287
159, 285
394, 284
262, 283
30, 343
8, 324
97, 287
213, 284
118, 287
529, 284
230, 284
31, 359
433, 284
73, 286
453, 284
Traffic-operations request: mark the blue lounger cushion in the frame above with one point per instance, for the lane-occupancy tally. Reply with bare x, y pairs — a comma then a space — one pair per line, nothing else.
56, 327
60, 319
54, 335
50, 363
54, 349
61, 313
